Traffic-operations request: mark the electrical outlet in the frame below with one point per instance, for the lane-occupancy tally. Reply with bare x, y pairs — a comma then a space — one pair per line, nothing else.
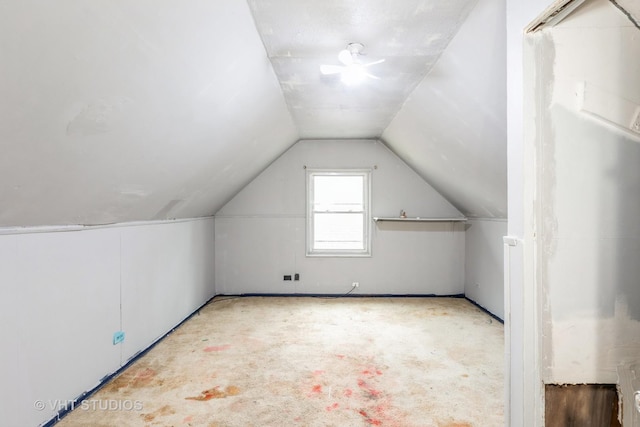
355, 284
118, 337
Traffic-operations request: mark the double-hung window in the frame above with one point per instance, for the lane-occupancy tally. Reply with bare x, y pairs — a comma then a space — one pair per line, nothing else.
338, 222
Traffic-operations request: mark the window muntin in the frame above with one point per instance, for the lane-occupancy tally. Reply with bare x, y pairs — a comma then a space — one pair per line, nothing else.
338, 213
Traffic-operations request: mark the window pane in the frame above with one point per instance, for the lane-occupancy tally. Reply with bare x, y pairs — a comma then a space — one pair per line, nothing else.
338, 193
338, 231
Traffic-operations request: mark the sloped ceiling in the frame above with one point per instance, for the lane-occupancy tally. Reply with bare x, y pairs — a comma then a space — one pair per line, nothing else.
452, 128
114, 111
301, 35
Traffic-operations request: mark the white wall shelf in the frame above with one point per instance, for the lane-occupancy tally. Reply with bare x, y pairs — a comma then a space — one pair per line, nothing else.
418, 219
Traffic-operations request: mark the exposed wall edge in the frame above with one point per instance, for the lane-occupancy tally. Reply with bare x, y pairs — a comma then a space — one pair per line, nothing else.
627, 13
80, 227
555, 13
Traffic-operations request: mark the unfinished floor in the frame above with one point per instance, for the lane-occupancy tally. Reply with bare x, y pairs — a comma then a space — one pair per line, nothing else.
267, 361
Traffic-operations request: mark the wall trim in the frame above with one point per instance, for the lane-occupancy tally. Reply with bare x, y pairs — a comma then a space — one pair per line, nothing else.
487, 219
486, 311
80, 227
345, 295
262, 216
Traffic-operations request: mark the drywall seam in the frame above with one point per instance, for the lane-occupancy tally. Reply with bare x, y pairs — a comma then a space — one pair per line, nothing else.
554, 14
79, 227
103, 381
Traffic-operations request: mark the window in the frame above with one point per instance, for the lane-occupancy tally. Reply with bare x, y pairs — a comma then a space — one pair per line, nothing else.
338, 213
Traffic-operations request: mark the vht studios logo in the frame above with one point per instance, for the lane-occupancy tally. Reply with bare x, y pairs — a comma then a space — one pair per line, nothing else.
89, 405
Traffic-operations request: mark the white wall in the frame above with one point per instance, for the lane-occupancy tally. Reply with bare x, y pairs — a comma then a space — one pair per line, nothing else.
525, 397
260, 234
484, 264
589, 195
64, 294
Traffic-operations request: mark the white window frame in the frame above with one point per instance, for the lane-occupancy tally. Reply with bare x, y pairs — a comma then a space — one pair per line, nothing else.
315, 252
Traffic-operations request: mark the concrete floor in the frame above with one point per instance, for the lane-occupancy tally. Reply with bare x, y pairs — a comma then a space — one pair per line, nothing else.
267, 361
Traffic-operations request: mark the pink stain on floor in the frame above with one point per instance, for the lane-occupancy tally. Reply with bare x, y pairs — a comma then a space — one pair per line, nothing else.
217, 348
188, 419
348, 392
318, 372
370, 391
316, 389
371, 421
332, 407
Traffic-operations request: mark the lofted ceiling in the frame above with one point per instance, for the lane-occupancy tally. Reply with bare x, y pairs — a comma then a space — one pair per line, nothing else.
116, 110
299, 36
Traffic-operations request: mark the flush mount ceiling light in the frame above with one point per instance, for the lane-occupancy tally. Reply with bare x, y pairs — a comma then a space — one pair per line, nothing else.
353, 71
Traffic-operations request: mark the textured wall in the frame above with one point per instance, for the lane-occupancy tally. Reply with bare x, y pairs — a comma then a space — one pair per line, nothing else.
589, 224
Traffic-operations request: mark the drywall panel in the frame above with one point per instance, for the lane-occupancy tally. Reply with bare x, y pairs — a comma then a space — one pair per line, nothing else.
484, 264
254, 254
167, 272
142, 110
61, 299
260, 234
452, 128
590, 212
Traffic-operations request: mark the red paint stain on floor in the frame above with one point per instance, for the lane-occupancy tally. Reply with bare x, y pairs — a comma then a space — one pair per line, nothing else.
143, 377
368, 419
348, 392
316, 389
369, 390
332, 407
215, 393
163, 411
217, 348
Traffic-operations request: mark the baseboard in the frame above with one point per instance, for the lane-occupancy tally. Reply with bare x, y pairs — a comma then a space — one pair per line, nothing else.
483, 309
346, 295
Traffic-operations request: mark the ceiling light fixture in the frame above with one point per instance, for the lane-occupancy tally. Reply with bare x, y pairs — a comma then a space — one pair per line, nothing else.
353, 71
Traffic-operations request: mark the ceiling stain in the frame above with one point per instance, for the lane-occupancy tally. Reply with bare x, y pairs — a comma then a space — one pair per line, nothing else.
99, 117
